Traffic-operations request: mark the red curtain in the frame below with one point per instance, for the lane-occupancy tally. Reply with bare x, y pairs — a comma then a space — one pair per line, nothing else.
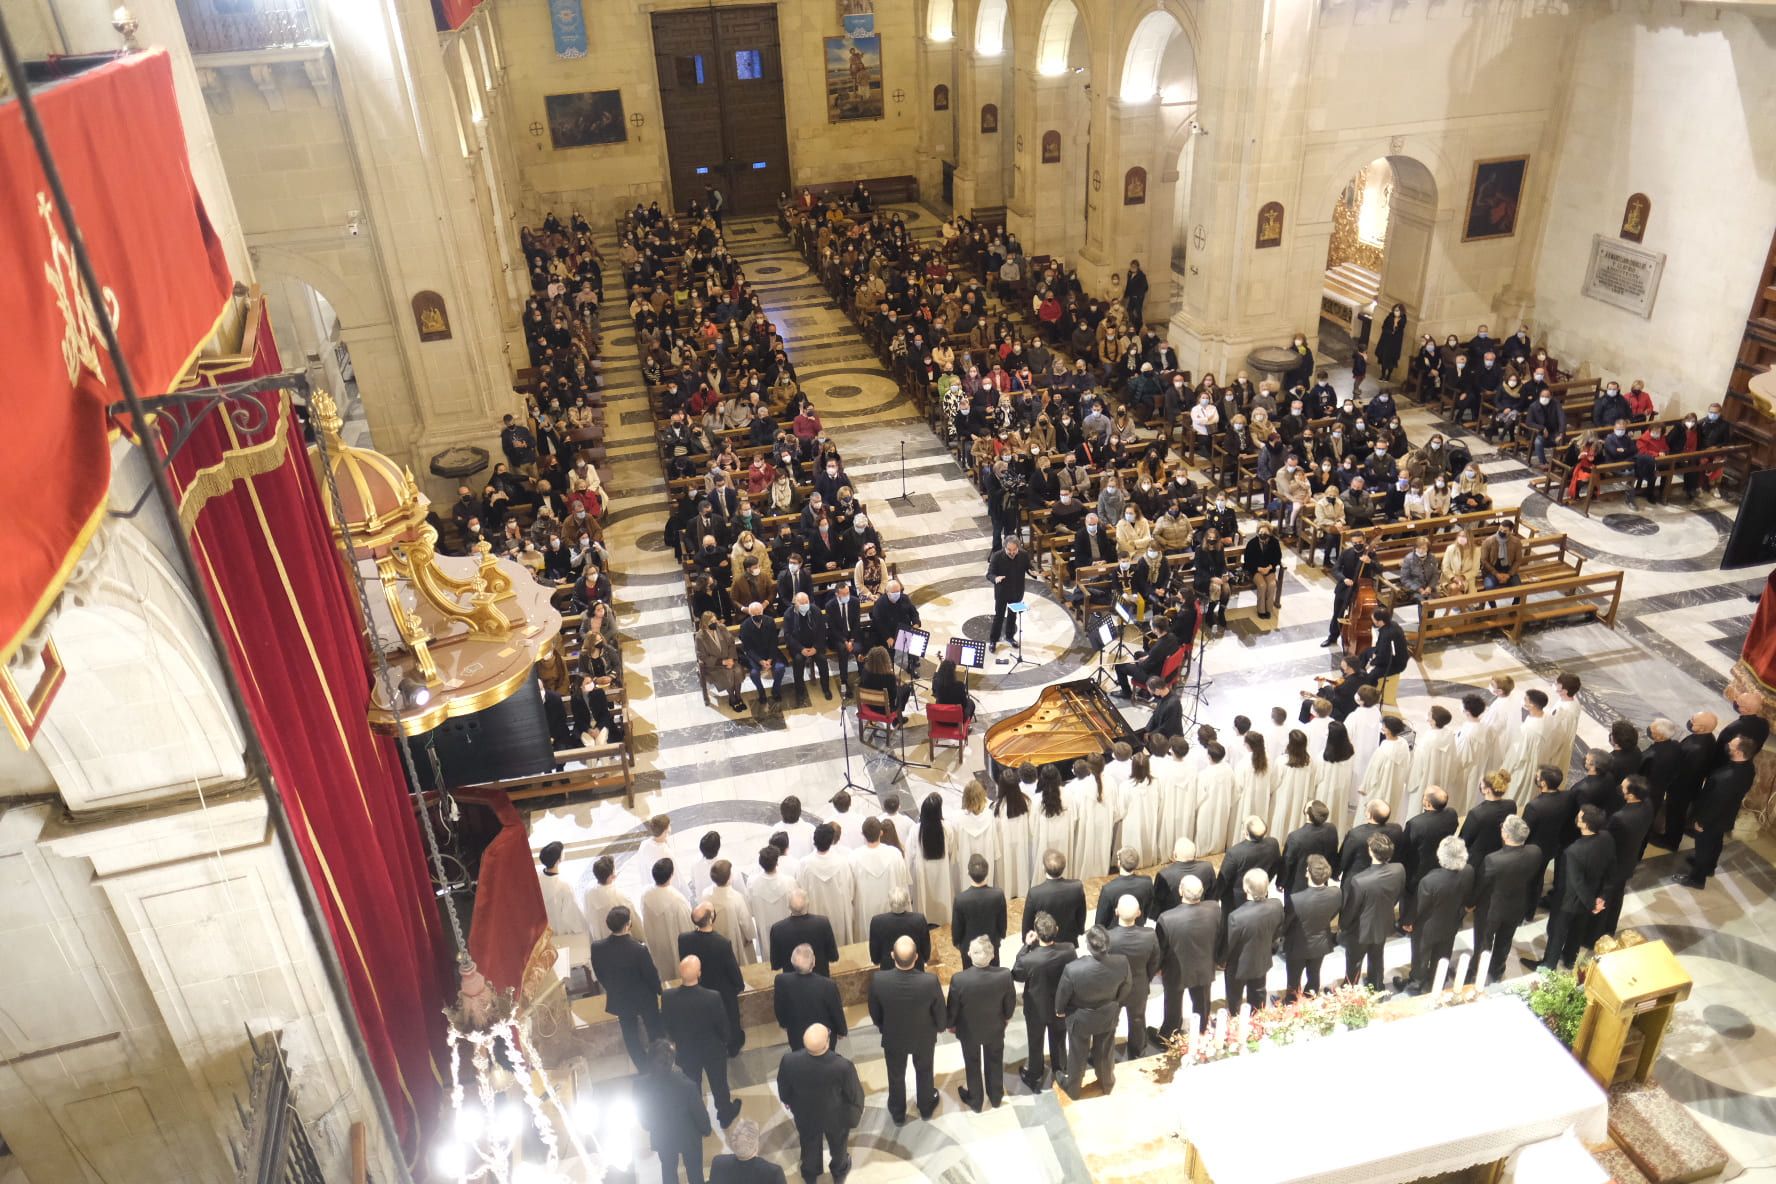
120, 147
1759, 650
252, 506
509, 914
452, 13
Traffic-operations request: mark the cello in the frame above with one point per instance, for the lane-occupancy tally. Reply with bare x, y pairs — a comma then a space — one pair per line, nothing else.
1359, 622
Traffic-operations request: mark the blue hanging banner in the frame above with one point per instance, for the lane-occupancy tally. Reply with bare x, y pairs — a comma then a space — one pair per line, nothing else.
569, 20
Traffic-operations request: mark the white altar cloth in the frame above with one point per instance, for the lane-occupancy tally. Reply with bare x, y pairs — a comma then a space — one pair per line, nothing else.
1431, 1093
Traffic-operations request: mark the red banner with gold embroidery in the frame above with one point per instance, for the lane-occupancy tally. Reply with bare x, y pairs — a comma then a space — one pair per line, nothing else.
120, 147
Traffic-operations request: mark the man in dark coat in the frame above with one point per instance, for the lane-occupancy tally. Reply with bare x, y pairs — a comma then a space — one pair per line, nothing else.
721, 969
821, 1090
1089, 998
907, 1006
1187, 934
697, 1025
1059, 897
1126, 884
1316, 836
1505, 889
1662, 762
1443, 893
805, 638
978, 911
1425, 831
1480, 829
1007, 569
1749, 722
1548, 814
1355, 855
1698, 748
1039, 965
760, 647
1166, 895
1307, 926
802, 999
1256, 851
982, 1000
1716, 808
1135, 940
1627, 829
1168, 708
631, 982
803, 928
845, 634
1579, 886
670, 1108
1366, 911
885, 929
892, 612
742, 1165
1251, 938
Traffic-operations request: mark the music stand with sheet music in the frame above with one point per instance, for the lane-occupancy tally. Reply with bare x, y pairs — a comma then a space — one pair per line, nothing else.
966, 653
1018, 608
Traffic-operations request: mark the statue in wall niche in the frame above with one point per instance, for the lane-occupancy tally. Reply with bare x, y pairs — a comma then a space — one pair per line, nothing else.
430, 316
1051, 147
1634, 217
990, 119
940, 97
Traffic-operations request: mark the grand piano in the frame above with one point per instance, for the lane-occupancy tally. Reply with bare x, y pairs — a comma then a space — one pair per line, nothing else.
1068, 720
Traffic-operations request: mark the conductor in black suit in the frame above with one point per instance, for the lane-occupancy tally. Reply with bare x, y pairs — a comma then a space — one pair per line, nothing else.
1307, 925
1126, 884
1187, 934
670, 1108
803, 928
802, 999
886, 930
741, 1165
1442, 903
1251, 935
1090, 998
821, 1091
907, 1007
1506, 888
1316, 836
697, 1024
978, 911
1425, 832
631, 982
1136, 941
1060, 898
982, 999
1167, 880
1578, 886
1039, 965
1366, 912
1007, 569
721, 969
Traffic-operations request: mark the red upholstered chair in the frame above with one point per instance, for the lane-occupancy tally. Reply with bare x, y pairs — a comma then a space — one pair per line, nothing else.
949, 723
874, 712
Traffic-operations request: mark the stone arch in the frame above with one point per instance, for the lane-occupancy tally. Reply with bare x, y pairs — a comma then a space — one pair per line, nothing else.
354, 308
1055, 39
990, 28
1138, 76
940, 20
1421, 178
1418, 165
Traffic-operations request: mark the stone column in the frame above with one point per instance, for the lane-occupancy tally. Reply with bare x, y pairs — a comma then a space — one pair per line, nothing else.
937, 129
980, 156
1046, 210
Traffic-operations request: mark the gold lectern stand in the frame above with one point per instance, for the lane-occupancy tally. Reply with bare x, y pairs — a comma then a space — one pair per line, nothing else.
1630, 994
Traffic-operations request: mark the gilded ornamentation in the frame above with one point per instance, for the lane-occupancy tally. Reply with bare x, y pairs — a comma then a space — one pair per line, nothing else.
81, 336
1348, 244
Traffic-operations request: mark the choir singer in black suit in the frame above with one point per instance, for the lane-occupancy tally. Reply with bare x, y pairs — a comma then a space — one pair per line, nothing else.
1059, 897
1137, 942
720, 968
1505, 890
1316, 836
626, 971
1039, 965
886, 930
1578, 886
802, 999
1089, 998
1442, 901
821, 1091
741, 1165
697, 1024
1307, 925
982, 999
1167, 880
1126, 884
1187, 934
907, 1007
1251, 935
978, 911
803, 928
1366, 912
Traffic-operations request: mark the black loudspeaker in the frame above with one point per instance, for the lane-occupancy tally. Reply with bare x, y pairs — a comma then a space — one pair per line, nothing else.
509, 739
1753, 541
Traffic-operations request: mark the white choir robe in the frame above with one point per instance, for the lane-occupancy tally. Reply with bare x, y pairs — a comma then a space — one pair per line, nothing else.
1293, 790
1315, 729
1094, 828
698, 877
1252, 792
1335, 784
733, 920
1435, 761
1050, 834
1558, 732
1527, 759
1276, 741
1017, 870
769, 898
934, 880
1214, 811
801, 837
1470, 744
1116, 779
597, 903
1503, 720
826, 877
664, 915
566, 918
974, 836
1386, 777
1180, 799
875, 873
850, 830
1141, 806
649, 852
1364, 728
905, 825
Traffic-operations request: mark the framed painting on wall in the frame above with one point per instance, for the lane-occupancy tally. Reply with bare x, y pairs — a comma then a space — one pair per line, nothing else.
1051, 147
586, 118
857, 17
990, 119
1493, 198
1270, 225
940, 97
1134, 187
853, 78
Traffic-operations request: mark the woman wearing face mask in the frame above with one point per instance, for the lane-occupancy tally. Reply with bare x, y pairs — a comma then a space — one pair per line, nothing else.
1264, 564
1471, 494
1437, 497
1391, 341
1133, 532
1110, 499
1213, 584
1460, 571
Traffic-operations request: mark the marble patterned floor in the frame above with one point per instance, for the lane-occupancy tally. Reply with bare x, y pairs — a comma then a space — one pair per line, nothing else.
1679, 632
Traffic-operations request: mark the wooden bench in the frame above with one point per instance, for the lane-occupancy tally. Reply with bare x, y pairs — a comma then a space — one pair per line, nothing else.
1617, 476
903, 188
1597, 594
602, 770
1544, 558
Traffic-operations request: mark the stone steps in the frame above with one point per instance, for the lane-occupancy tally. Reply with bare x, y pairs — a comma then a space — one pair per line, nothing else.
1664, 1143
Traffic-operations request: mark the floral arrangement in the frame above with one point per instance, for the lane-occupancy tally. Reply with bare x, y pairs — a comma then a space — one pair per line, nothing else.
1309, 1017
1557, 997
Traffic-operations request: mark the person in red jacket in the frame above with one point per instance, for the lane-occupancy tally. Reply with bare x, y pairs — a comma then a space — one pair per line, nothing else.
1640, 404
1583, 463
1649, 446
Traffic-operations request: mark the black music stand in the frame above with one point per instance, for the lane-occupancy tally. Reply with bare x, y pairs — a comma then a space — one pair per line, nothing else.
845, 735
1199, 655
1105, 633
1017, 609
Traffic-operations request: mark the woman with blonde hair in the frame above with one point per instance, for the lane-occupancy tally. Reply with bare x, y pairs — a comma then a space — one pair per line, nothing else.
746, 546
973, 834
1461, 566
718, 659
1133, 531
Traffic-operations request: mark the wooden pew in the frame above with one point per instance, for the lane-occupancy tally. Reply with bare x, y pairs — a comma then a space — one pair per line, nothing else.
1597, 593
1617, 477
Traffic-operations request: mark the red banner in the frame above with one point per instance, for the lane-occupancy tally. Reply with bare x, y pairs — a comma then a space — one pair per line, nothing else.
120, 147
452, 13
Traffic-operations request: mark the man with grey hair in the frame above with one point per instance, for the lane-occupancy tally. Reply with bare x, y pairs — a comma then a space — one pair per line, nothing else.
1251, 936
741, 1165
1442, 899
1187, 934
1508, 881
1089, 998
805, 639
981, 1001
907, 1006
800, 998
802, 927
1126, 884
1661, 763
886, 929
1136, 941
1039, 966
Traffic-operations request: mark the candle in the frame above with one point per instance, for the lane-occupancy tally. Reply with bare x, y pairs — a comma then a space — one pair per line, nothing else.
1442, 974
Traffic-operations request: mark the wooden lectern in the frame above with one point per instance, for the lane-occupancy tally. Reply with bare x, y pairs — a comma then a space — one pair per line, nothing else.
1630, 994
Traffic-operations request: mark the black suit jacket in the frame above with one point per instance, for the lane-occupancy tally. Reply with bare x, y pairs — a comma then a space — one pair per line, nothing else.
982, 1000
907, 1007
978, 911
813, 929
626, 971
1039, 968
697, 1023
670, 1107
1717, 803
1423, 832
1584, 871
1092, 991
1548, 816
1062, 899
1307, 932
1480, 829
721, 970
1139, 945
731, 1169
1089, 549
1251, 936
844, 623
803, 1000
1139, 887
1242, 857
1662, 764
1442, 903
1187, 937
1699, 753
1366, 913
1168, 881
1628, 829
809, 632
1353, 857
1307, 839
886, 928
1509, 880
1168, 715
821, 1091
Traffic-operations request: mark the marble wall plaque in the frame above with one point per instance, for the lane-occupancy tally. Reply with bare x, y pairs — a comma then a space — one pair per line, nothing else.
1623, 275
